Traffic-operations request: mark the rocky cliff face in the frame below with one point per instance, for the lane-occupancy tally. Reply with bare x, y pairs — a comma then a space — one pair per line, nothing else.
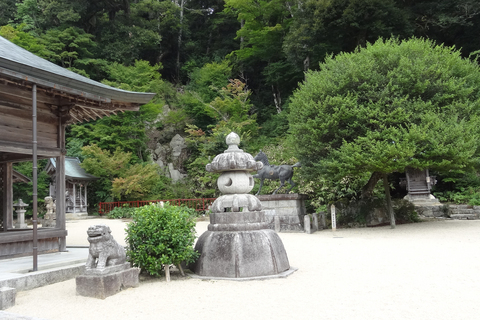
170, 157
167, 147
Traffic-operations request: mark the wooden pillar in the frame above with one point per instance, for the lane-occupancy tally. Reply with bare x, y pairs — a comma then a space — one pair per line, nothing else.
3, 196
7, 177
34, 178
60, 196
60, 186
80, 195
74, 198
86, 203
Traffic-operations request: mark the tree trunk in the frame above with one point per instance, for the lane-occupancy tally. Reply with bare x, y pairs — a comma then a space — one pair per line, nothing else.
306, 64
182, 3
181, 269
209, 42
362, 38
367, 190
277, 99
242, 23
167, 272
386, 186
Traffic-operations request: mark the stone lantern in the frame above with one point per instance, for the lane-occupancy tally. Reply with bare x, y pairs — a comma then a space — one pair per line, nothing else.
20, 210
238, 243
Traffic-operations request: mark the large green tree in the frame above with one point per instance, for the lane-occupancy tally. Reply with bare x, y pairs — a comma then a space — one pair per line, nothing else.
389, 106
268, 46
26, 41
447, 21
7, 11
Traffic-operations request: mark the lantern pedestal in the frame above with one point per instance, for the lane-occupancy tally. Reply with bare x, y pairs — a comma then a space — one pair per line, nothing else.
238, 244
20, 205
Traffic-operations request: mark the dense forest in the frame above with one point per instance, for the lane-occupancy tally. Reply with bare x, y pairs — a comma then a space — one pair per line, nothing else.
219, 66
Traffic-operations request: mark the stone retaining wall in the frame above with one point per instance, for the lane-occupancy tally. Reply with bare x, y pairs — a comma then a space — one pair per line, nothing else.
453, 211
287, 209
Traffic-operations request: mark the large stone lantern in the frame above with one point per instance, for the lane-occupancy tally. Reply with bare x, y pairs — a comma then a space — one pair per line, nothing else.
238, 243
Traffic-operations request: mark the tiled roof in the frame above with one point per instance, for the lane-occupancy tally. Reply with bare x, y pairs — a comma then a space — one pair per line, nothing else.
73, 169
17, 59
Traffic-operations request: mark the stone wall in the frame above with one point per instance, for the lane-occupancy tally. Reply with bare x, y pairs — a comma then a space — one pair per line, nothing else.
453, 211
376, 213
288, 209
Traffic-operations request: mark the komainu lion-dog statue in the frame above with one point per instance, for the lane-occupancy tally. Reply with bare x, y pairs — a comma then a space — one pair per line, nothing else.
104, 251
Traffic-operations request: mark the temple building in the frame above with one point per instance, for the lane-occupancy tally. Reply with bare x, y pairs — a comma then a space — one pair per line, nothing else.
38, 99
76, 183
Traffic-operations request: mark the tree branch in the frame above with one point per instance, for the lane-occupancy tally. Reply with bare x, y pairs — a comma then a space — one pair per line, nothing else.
367, 190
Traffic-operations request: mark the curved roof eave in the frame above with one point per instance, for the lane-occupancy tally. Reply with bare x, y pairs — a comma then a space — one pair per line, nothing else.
19, 60
73, 170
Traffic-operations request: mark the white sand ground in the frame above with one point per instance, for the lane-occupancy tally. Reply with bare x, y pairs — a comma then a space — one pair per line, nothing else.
424, 271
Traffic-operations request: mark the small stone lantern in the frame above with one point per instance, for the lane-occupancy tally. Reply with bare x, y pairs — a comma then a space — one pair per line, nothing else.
238, 243
20, 210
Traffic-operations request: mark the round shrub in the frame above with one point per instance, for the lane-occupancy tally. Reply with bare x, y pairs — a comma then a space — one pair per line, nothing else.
160, 236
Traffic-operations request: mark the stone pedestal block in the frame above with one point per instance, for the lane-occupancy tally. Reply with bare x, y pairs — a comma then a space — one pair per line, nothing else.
7, 297
76, 215
48, 223
238, 221
240, 254
289, 208
107, 282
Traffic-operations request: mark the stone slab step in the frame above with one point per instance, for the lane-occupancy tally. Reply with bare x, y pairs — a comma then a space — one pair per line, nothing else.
464, 216
463, 211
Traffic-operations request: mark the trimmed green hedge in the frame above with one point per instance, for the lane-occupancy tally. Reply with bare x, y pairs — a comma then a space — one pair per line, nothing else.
161, 236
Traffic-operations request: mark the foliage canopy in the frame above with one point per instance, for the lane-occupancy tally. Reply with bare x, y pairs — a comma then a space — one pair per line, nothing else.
120, 178
199, 46
391, 105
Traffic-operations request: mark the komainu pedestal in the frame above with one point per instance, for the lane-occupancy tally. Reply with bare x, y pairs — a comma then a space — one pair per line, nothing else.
238, 243
107, 271
108, 281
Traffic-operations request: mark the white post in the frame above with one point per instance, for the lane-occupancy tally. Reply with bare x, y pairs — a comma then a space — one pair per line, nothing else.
86, 203
306, 224
74, 198
334, 218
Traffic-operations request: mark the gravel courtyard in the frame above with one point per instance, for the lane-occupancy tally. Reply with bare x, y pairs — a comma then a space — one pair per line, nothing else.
428, 270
